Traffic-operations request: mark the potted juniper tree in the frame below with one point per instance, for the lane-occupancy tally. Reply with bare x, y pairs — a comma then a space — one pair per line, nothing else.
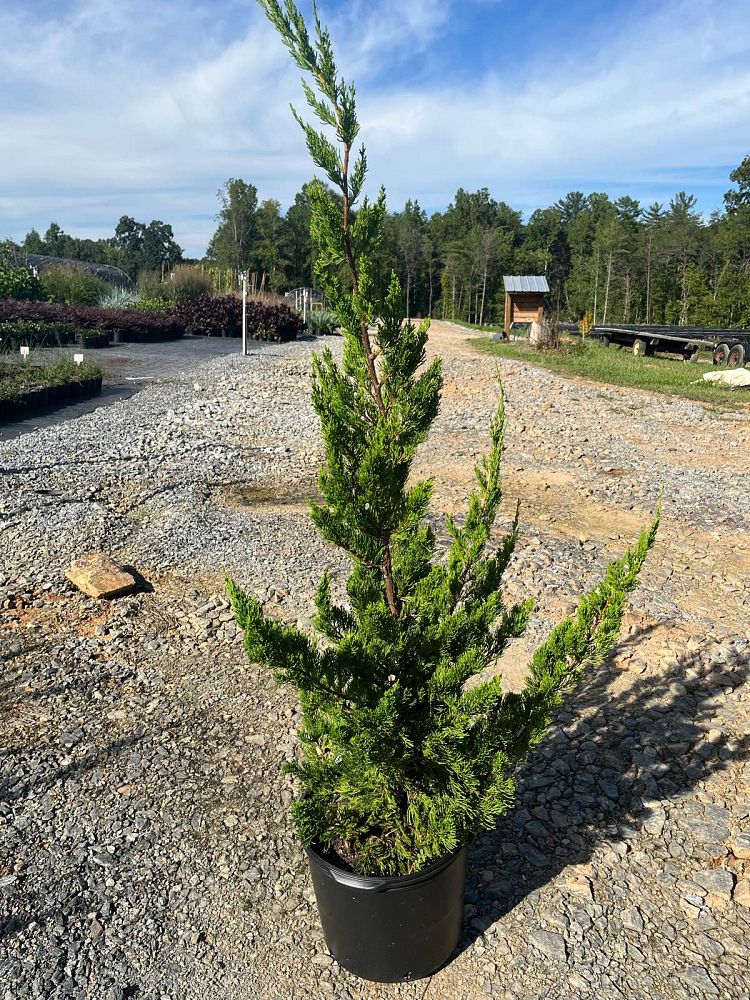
402, 759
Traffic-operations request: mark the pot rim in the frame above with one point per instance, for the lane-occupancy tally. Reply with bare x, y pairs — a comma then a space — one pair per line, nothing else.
376, 883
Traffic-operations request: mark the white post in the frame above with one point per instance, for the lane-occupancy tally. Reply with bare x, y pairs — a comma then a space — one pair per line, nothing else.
304, 306
244, 313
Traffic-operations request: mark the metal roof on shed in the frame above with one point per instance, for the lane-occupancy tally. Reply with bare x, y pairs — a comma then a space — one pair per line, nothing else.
525, 283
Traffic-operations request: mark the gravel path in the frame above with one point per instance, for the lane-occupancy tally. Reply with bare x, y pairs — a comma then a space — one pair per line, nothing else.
145, 846
127, 368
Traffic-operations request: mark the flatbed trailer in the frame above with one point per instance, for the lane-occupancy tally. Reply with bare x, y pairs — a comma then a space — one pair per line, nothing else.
728, 347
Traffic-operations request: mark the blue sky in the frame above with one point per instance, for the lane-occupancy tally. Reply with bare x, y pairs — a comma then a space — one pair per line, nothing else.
138, 107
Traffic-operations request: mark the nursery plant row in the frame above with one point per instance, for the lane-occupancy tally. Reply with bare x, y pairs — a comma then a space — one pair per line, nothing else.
118, 324
41, 324
27, 389
35, 333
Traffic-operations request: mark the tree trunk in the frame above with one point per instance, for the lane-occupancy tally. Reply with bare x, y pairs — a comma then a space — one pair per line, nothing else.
484, 292
596, 285
606, 287
626, 307
719, 278
685, 295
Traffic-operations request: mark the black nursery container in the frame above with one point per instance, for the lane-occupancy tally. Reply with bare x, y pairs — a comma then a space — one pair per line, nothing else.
391, 930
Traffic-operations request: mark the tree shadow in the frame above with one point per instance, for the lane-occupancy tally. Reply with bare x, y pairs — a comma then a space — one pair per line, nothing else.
43, 781
14, 794
610, 764
16, 689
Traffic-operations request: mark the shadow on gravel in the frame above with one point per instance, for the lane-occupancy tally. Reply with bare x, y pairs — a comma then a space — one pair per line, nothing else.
47, 777
90, 459
616, 759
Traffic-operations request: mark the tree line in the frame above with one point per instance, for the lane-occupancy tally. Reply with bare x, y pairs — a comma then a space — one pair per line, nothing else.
134, 246
615, 260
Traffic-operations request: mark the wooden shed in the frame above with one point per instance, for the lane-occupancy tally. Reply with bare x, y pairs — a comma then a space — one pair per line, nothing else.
525, 296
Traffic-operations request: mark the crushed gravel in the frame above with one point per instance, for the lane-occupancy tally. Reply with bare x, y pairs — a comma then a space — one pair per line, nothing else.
145, 845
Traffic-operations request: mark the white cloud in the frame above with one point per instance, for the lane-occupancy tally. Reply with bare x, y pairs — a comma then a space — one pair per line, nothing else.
388, 30
140, 108
673, 91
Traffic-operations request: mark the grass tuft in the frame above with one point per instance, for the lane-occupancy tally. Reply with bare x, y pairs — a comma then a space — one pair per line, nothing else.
611, 366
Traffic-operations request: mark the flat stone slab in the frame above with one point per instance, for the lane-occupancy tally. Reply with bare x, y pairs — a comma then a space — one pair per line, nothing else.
97, 576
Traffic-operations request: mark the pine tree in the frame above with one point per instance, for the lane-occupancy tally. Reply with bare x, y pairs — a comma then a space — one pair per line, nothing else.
402, 761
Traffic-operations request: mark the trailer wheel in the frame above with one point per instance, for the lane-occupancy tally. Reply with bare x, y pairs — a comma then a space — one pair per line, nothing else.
736, 356
721, 354
640, 348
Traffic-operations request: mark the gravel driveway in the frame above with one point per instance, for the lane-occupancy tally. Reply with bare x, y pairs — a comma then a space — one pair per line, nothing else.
145, 845
127, 368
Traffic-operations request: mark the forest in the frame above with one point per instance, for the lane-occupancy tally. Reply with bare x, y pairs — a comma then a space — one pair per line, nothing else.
617, 260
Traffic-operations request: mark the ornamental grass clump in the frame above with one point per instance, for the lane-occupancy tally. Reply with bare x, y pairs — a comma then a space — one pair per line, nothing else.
402, 760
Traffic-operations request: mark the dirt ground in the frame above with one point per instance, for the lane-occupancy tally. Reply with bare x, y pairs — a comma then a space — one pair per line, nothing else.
557, 501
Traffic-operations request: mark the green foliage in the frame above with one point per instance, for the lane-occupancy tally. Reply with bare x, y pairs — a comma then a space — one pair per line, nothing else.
403, 759
34, 333
14, 381
72, 286
156, 304
187, 282
144, 246
150, 285
223, 278
57, 243
18, 282
739, 197
655, 264
322, 322
255, 237
232, 244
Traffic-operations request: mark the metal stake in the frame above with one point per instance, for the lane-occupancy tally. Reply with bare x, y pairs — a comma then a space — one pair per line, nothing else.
244, 313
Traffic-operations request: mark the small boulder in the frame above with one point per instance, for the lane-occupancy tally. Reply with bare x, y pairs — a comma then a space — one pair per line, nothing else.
97, 576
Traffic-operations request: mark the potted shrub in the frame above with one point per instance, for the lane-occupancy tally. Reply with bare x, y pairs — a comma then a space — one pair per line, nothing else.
322, 322
92, 339
406, 753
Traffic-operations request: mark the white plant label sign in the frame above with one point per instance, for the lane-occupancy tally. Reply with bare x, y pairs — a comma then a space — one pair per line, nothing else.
24, 352
78, 358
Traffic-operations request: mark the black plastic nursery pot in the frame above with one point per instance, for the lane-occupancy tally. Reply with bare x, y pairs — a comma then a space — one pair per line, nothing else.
92, 341
391, 930
41, 398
